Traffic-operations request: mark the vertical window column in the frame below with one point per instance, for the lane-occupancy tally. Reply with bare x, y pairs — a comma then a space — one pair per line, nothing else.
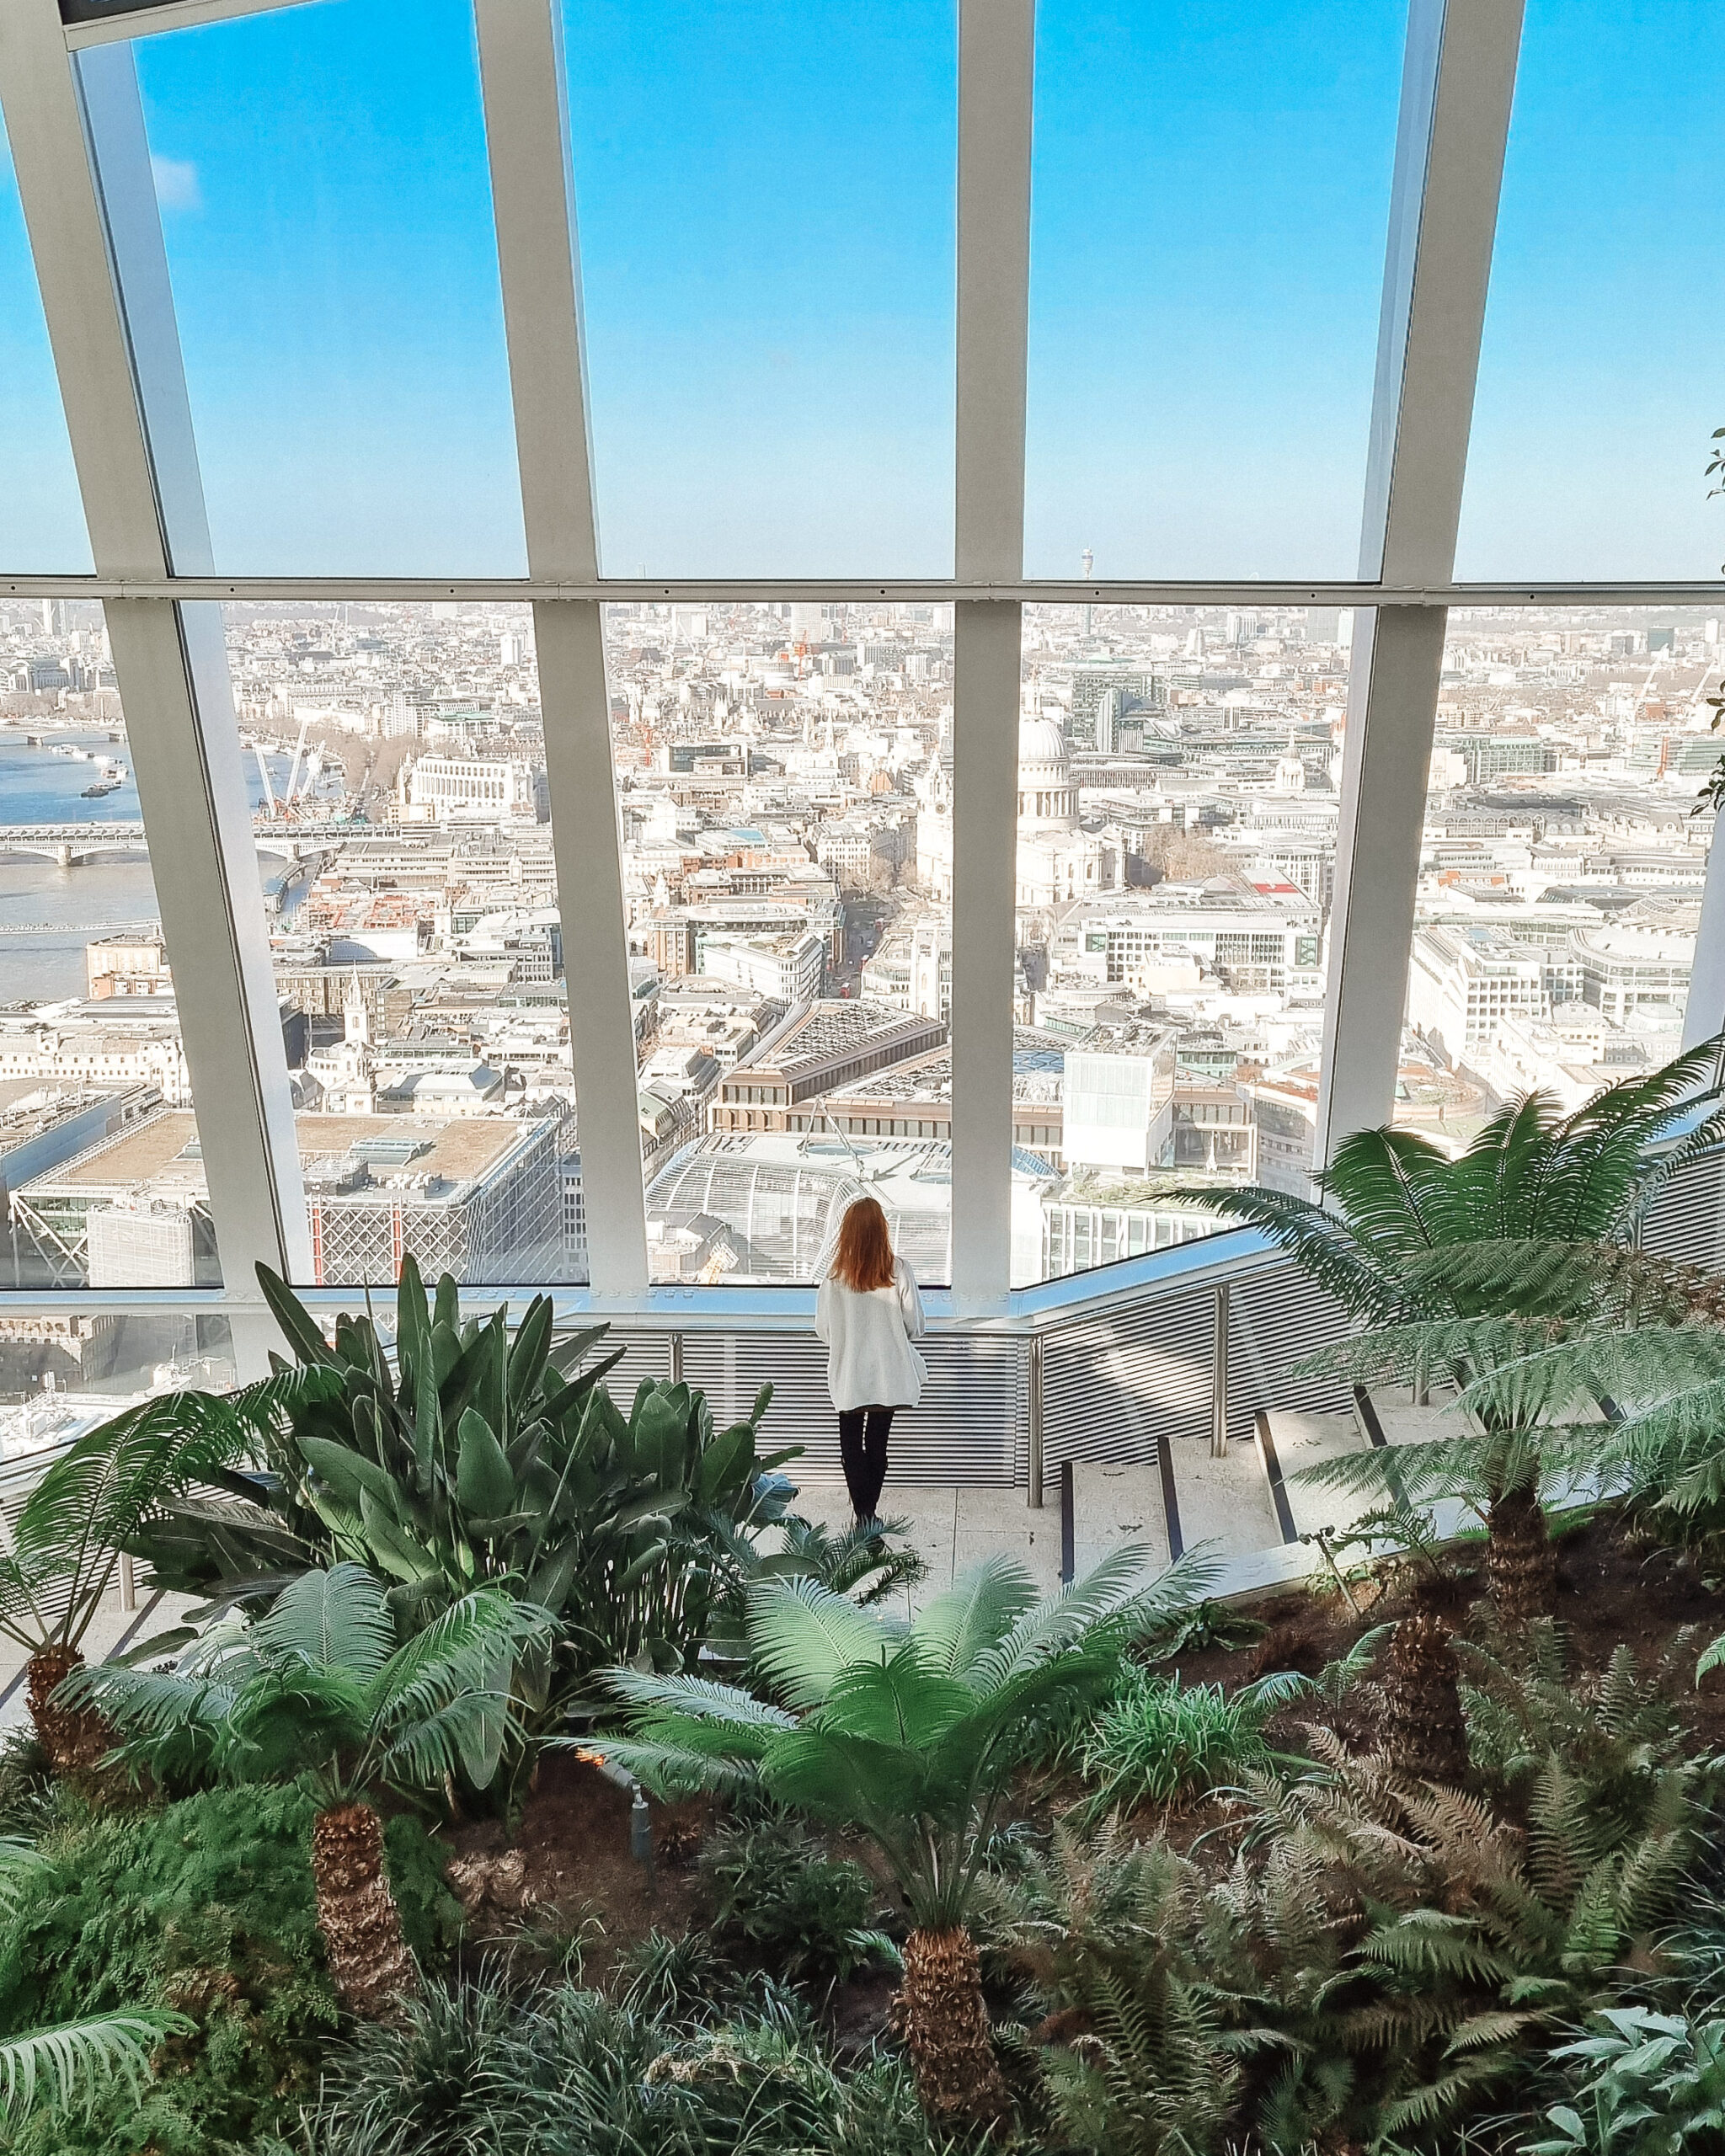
521, 75
996, 68
1457, 84
117, 354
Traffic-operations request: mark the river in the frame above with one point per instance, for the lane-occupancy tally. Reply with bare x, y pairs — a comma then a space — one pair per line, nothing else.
48, 913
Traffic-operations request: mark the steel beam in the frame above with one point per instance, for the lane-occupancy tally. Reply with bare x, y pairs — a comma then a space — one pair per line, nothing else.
986, 671
532, 190
119, 359
92, 23
1458, 81
586, 844
995, 64
697, 591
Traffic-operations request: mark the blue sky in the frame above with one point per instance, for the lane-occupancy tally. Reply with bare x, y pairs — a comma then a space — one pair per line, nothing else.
765, 197
41, 524
1210, 205
1600, 375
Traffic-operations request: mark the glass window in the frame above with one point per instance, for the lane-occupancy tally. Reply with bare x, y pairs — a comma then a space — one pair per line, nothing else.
1179, 775
785, 788
1561, 868
326, 204
100, 1168
1599, 384
41, 522
63, 1372
416, 936
1210, 208
766, 201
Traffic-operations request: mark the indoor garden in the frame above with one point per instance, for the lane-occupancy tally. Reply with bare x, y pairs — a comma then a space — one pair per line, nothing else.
529, 1776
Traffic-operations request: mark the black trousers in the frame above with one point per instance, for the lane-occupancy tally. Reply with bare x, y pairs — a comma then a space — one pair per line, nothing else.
863, 1435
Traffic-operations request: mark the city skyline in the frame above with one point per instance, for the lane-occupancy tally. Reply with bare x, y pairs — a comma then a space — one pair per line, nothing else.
784, 805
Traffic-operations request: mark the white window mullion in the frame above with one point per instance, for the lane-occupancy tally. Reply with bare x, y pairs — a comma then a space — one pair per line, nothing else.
521, 63
997, 40
1457, 83
116, 360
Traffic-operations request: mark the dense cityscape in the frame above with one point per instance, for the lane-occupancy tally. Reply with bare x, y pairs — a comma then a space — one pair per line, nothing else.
784, 776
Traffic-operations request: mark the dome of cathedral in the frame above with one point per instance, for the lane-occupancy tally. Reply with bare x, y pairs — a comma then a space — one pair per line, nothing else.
1042, 744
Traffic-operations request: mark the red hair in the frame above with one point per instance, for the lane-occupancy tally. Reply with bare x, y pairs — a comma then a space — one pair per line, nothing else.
864, 1257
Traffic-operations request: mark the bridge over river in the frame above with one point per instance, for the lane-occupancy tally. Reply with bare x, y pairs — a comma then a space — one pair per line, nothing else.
67, 844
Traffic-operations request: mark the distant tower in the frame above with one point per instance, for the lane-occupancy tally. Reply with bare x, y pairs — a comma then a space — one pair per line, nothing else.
1086, 563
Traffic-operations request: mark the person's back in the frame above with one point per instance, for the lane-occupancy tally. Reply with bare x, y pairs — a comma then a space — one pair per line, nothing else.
868, 1312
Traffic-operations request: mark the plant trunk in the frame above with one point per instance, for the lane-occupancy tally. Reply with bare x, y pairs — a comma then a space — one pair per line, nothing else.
356, 1912
1423, 1730
74, 1738
1519, 1562
945, 2020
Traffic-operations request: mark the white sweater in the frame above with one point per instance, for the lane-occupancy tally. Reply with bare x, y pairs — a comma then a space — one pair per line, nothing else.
871, 1363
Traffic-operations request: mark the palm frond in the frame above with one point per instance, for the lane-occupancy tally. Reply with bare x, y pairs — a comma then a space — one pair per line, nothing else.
697, 1697
803, 1636
1117, 1592
52, 2069
974, 1614
463, 1648
338, 1618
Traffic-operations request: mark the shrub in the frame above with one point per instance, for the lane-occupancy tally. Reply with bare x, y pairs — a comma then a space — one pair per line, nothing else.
1158, 1740
555, 2072
781, 1903
205, 1909
1646, 2085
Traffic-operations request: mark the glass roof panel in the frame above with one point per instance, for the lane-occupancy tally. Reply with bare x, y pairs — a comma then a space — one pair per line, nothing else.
41, 518
1209, 207
1600, 383
765, 199
326, 205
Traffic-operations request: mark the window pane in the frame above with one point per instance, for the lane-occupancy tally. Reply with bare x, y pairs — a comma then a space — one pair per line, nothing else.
1209, 207
63, 1372
100, 1166
41, 522
325, 199
1599, 384
1561, 876
785, 785
1178, 777
767, 208
417, 941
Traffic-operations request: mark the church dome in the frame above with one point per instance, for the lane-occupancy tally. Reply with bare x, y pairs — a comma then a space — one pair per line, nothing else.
1048, 800
1042, 744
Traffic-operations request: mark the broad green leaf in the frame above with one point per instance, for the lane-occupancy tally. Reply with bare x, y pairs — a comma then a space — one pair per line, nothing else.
397, 1551
484, 1481
347, 1472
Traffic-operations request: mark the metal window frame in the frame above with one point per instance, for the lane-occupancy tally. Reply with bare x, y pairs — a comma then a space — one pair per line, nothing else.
533, 204
996, 63
1457, 84
117, 360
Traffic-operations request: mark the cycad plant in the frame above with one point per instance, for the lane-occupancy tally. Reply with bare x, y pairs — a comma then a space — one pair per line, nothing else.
319, 1686
89, 1506
912, 1734
1391, 1198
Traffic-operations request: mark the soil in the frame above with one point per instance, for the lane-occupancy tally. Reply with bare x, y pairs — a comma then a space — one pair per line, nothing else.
574, 1844
1615, 1587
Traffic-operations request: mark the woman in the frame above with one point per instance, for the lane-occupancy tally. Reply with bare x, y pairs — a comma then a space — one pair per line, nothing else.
868, 1312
